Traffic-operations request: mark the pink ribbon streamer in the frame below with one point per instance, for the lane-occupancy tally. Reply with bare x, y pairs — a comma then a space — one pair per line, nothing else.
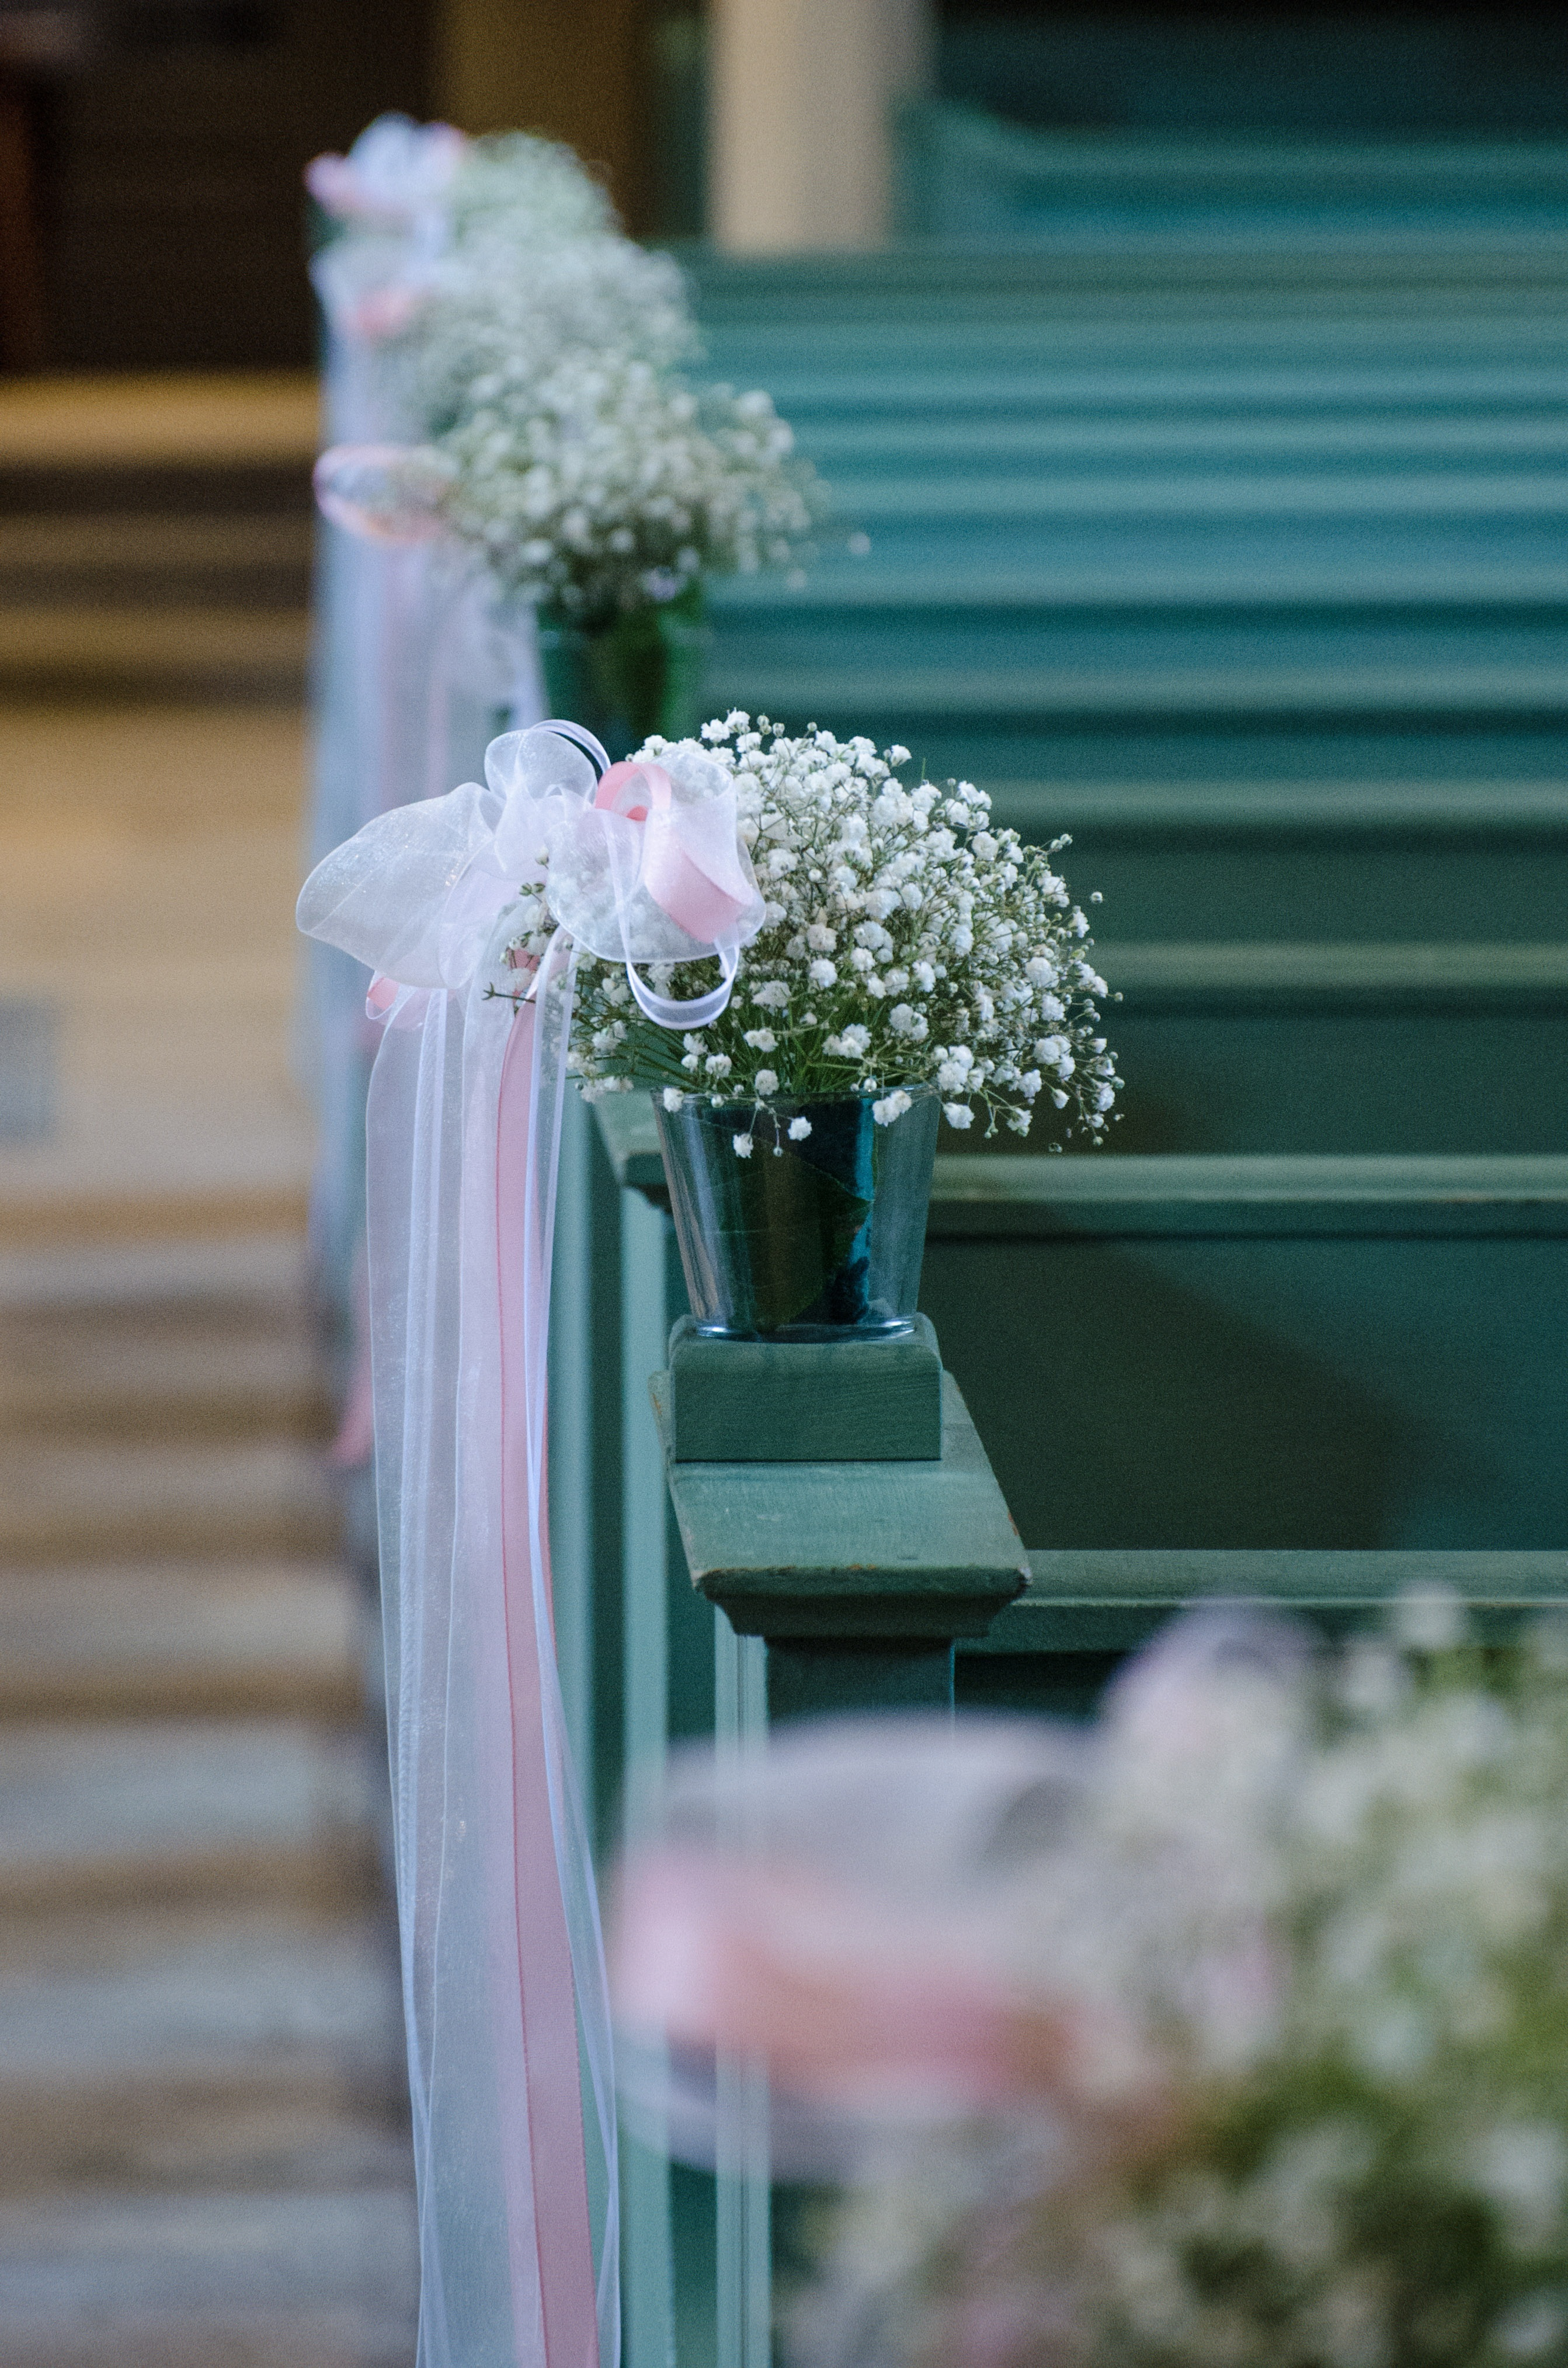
557, 2228
699, 885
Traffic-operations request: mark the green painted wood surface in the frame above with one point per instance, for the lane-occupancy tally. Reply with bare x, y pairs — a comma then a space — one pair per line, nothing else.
1263, 1352
819, 1679
1132, 451
1356, 1047
967, 174
915, 285
875, 1400
1109, 77
1055, 1650
1146, 527
992, 1197
1243, 562
1333, 1358
1110, 1601
1391, 862
863, 1549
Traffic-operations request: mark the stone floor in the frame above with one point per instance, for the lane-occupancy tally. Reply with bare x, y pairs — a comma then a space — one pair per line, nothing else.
204, 2140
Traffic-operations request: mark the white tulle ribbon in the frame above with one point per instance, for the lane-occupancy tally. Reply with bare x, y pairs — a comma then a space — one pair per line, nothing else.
640, 862
504, 1980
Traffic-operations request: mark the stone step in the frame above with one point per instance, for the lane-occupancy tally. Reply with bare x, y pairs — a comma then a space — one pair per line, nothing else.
160, 561
210, 2281
184, 652
209, 1368
196, 1638
245, 2049
69, 1501
202, 1809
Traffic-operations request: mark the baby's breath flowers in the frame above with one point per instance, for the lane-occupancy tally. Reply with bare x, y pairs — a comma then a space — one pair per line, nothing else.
603, 483
583, 470
538, 353
908, 945
521, 285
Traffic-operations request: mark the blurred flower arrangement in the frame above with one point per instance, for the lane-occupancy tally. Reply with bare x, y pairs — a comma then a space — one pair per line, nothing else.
540, 352
906, 946
1234, 2035
602, 484
531, 363
416, 210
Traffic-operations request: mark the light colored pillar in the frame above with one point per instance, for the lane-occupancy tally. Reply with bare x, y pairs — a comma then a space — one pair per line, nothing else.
801, 96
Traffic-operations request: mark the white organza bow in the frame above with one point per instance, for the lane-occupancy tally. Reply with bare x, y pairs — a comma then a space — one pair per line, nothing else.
639, 862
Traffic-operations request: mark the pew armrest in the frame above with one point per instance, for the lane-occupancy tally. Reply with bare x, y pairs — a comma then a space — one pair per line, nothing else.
917, 1549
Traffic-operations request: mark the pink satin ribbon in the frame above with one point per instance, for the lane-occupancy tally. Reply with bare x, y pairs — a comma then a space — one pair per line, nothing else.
558, 2225
673, 872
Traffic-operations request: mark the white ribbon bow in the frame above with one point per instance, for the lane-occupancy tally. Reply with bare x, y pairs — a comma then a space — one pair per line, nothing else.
640, 862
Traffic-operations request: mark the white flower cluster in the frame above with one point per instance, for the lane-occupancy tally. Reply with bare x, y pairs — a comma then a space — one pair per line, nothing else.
602, 481
515, 184
1334, 1917
586, 474
536, 268
439, 243
535, 350
907, 945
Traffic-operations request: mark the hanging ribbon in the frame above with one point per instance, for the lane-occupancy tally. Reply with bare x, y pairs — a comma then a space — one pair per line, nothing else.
414, 658
504, 1991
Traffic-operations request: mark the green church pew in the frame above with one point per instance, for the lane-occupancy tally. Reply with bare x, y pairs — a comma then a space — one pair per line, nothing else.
1054, 1649
990, 690
1386, 861
852, 452
966, 174
1273, 1047
938, 285
1283, 1352
1251, 1352
1298, 1360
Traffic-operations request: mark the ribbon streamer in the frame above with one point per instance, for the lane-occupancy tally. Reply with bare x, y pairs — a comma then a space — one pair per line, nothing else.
504, 1981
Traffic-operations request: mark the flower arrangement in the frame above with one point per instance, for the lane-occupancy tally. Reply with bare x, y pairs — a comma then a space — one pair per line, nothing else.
1252, 2012
417, 213
906, 946
602, 485
534, 354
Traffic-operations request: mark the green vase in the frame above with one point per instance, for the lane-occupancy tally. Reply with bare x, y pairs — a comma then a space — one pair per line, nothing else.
812, 1237
641, 672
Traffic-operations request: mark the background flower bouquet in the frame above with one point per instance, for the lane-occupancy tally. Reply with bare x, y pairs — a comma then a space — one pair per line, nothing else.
1232, 2031
553, 436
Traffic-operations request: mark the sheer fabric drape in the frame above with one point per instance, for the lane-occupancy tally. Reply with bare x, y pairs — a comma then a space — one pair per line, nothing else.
502, 1965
